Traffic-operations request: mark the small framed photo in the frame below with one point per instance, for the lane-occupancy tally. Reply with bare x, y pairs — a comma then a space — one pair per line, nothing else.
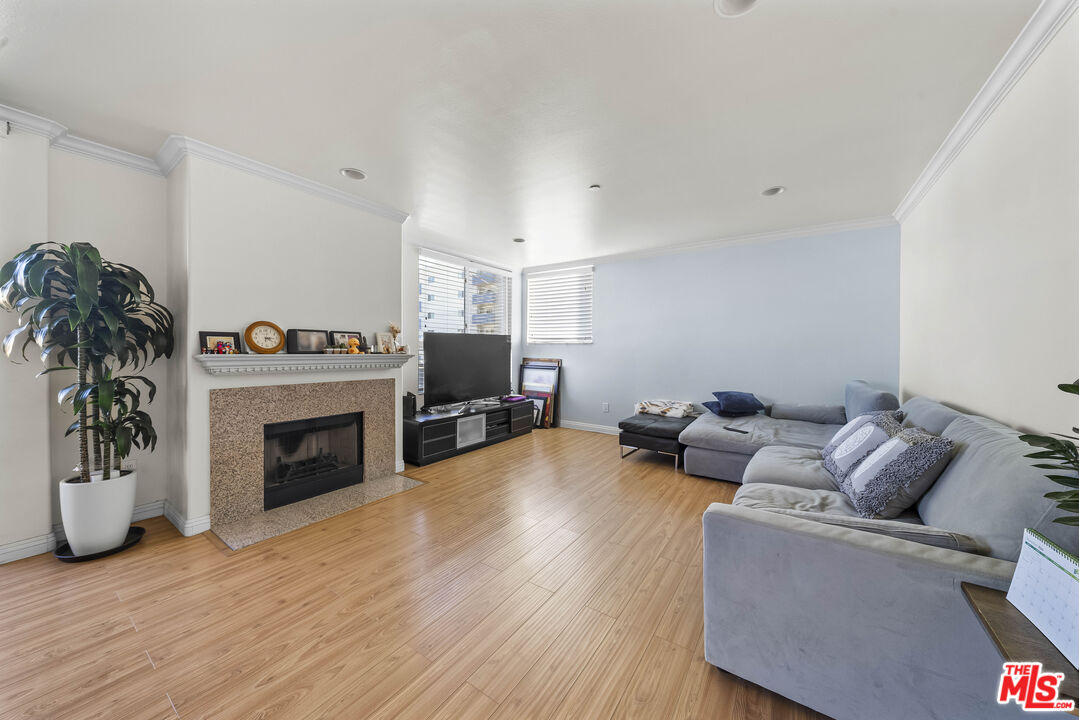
384, 340
225, 343
339, 337
306, 341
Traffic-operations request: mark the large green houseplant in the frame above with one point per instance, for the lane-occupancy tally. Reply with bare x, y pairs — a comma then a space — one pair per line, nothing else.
1063, 457
96, 319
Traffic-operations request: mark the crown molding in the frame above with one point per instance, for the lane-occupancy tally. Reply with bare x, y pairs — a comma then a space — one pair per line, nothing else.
60, 139
28, 122
1043, 25
771, 235
176, 147
91, 149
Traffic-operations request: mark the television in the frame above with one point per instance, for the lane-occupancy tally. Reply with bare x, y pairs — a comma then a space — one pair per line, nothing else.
458, 367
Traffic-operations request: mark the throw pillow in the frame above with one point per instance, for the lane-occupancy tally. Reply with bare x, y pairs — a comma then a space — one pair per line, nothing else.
734, 404
897, 473
667, 408
716, 408
857, 439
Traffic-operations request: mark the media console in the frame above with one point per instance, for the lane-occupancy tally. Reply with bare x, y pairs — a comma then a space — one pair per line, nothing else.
430, 437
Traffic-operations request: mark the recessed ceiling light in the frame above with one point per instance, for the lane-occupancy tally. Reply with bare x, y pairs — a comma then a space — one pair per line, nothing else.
353, 173
593, 188
518, 240
773, 191
733, 8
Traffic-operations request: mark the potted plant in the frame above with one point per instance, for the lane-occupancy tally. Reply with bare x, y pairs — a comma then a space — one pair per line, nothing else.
1063, 455
95, 318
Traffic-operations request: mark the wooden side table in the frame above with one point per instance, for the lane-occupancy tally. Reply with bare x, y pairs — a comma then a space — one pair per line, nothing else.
1017, 639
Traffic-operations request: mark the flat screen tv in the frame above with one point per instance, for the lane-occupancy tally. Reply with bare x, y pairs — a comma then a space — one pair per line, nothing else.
458, 367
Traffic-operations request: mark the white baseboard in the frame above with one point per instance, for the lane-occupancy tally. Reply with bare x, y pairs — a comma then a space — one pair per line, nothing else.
400, 466
187, 527
589, 427
29, 547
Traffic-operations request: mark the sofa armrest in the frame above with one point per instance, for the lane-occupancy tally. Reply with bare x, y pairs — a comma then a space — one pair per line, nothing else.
852, 624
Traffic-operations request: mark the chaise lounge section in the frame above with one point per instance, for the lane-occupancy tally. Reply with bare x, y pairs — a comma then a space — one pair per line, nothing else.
713, 449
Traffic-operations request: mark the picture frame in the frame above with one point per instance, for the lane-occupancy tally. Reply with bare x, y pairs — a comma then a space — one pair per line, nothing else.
539, 411
343, 336
306, 342
542, 377
384, 342
209, 339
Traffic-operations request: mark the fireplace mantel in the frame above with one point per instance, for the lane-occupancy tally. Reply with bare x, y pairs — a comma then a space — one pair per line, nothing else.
297, 363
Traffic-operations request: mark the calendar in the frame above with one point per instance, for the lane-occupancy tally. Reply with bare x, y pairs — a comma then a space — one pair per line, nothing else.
1045, 588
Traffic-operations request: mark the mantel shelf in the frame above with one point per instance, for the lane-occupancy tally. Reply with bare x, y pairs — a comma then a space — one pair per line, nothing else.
248, 364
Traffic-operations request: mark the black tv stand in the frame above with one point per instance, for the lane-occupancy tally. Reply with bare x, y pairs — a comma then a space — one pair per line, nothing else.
431, 435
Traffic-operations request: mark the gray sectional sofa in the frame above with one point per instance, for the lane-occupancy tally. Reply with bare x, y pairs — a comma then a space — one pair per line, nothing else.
713, 450
860, 618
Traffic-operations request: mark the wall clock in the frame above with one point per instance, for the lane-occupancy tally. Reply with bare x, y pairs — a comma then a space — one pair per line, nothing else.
264, 337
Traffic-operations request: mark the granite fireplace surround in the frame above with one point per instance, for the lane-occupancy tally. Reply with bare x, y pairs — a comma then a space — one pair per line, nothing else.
236, 435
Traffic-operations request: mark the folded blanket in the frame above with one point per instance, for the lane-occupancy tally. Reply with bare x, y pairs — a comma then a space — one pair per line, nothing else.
670, 408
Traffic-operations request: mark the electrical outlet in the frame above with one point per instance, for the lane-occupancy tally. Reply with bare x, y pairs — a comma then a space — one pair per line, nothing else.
606, 407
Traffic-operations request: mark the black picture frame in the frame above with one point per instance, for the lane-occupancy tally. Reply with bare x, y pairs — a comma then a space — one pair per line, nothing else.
341, 336
539, 411
208, 336
306, 342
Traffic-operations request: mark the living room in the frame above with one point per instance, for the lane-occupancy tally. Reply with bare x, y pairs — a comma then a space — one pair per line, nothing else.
604, 317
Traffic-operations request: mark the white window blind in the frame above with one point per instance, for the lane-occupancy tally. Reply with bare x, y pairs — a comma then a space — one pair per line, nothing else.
560, 306
459, 296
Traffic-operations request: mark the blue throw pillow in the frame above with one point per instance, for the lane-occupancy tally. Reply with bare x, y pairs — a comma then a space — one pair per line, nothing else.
736, 403
714, 406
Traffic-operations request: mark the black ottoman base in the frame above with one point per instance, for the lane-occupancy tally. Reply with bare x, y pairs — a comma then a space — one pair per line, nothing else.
666, 446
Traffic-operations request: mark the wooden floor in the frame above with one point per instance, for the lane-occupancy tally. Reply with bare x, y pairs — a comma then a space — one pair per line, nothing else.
539, 578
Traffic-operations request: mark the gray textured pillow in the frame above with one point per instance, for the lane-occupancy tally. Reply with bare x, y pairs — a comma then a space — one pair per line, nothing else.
857, 439
821, 414
896, 474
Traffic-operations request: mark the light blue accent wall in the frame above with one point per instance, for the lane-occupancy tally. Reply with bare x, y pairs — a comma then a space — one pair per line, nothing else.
791, 320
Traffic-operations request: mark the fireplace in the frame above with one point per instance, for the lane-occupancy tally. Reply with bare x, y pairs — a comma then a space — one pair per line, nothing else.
305, 458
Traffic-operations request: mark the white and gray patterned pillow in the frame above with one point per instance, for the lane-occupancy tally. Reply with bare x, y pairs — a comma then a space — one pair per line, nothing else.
897, 473
857, 439
668, 408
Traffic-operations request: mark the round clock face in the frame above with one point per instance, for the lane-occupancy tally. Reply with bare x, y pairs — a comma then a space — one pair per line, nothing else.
264, 337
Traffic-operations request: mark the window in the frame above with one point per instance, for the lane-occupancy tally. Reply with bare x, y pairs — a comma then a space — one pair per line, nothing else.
459, 296
560, 306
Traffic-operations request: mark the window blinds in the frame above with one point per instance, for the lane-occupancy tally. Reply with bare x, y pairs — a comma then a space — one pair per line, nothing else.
459, 296
560, 306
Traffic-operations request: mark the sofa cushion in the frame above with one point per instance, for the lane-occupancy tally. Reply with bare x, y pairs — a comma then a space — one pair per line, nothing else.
707, 431
794, 467
929, 414
991, 492
823, 414
834, 508
862, 398
856, 440
895, 475
655, 425
736, 403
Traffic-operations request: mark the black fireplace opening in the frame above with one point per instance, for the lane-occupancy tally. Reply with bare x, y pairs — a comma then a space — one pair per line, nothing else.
305, 458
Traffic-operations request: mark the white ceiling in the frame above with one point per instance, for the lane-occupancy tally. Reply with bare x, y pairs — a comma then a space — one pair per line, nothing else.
487, 119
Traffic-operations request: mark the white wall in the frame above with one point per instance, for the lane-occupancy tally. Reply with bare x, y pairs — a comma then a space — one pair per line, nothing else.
260, 250
791, 320
123, 213
989, 258
25, 489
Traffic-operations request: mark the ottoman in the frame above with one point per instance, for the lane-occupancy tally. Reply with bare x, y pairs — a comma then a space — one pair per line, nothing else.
658, 433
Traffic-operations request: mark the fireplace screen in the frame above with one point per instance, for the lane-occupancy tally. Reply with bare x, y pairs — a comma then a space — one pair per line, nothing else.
305, 458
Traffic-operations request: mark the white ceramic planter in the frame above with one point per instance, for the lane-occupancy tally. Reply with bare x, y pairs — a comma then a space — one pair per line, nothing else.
97, 514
